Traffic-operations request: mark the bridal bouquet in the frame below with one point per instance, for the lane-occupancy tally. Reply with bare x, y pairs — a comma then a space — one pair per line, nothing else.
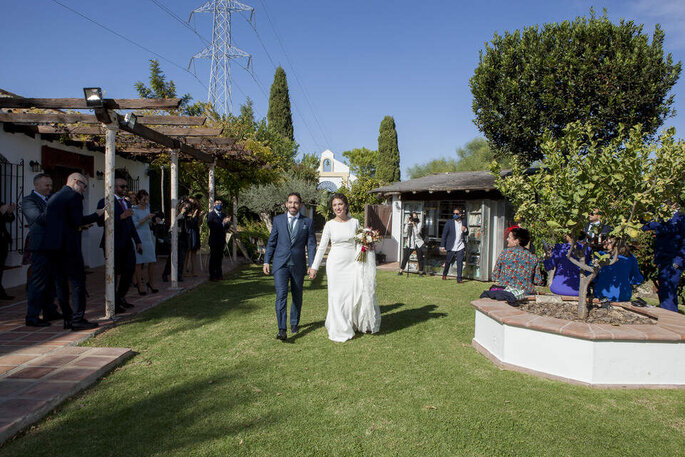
368, 238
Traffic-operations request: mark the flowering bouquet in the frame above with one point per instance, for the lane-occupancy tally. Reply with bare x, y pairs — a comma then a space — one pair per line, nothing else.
368, 238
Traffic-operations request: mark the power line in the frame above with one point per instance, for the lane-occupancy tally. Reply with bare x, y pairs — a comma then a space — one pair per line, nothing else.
129, 40
292, 67
178, 19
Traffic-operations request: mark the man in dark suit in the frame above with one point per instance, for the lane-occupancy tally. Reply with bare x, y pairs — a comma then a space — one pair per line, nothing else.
290, 234
125, 234
669, 256
60, 245
453, 242
217, 223
595, 231
41, 280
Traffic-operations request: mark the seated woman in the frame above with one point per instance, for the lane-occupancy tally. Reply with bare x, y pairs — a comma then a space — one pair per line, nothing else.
516, 266
615, 282
566, 279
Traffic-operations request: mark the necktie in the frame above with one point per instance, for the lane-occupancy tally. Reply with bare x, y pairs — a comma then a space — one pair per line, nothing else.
123, 205
291, 229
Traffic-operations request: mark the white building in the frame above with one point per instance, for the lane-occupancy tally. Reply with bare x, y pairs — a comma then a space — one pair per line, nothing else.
333, 173
24, 154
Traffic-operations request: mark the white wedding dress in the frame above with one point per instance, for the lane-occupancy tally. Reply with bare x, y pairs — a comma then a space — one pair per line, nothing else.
352, 304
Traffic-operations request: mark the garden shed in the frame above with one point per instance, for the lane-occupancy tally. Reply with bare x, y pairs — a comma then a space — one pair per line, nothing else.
434, 197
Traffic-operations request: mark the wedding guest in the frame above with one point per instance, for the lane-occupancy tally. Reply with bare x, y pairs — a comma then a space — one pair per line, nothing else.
669, 256
413, 241
516, 266
32, 206
125, 235
182, 245
60, 246
145, 262
566, 279
615, 281
453, 242
218, 223
193, 227
6, 216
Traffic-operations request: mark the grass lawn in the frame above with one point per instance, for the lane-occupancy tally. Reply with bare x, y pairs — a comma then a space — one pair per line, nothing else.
211, 379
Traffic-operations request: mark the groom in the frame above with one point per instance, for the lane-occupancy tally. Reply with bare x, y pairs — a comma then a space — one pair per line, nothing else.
290, 234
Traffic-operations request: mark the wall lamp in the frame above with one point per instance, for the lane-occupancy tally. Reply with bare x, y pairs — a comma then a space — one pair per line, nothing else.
130, 119
35, 166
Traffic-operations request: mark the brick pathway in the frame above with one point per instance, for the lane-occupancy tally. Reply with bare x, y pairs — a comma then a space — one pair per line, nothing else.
42, 367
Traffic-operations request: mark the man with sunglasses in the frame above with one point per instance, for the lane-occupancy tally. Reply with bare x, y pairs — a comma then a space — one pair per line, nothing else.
59, 248
125, 234
453, 242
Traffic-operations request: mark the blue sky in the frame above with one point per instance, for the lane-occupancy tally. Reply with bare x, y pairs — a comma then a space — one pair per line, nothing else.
348, 63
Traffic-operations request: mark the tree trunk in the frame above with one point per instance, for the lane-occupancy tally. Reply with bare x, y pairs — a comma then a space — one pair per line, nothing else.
583, 294
266, 218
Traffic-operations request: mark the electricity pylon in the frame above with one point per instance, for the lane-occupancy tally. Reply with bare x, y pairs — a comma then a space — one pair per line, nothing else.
221, 51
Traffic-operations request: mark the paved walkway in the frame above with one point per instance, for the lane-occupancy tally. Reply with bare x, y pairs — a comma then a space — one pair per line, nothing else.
41, 367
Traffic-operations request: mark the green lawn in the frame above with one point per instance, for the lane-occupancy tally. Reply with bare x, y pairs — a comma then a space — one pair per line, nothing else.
211, 379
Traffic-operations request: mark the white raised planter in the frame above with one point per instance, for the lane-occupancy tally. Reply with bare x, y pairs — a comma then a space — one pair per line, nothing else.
592, 354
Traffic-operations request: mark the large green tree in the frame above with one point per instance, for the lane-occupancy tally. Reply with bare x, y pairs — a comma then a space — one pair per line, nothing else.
388, 165
628, 179
362, 162
161, 88
475, 155
589, 70
279, 115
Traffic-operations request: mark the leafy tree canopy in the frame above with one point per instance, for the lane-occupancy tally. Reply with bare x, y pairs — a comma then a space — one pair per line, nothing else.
589, 70
475, 155
161, 88
362, 162
629, 181
388, 165
279, 115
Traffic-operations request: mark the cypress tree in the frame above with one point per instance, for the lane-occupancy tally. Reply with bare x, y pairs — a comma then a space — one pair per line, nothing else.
388, 166
279, 116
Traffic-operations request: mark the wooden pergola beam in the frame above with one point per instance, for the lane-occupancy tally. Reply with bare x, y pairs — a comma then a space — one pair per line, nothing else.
206, 141
97, 130
80, 103
73, 118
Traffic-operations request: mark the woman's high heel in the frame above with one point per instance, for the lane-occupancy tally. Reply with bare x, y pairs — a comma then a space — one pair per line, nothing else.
153, 290
67, 324
142, 292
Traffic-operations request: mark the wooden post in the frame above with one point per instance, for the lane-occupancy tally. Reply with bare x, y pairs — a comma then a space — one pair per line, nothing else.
212, 185
234, 225
174, 216
110, 279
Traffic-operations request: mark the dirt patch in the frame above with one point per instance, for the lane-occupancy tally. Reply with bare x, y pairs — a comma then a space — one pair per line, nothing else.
569, 310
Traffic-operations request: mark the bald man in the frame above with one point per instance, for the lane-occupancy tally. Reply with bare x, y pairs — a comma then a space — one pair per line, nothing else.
61, 243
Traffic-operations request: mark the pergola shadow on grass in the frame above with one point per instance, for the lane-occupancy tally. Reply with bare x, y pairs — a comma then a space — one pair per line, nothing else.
211, 379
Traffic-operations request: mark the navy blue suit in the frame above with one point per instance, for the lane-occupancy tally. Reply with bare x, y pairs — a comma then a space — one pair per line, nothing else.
289, 263
125, 234
669, 256
41, 282
61, 244
217, 242
449, 235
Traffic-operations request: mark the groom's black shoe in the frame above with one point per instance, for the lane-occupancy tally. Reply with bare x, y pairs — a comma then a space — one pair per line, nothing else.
282, 335
295, 328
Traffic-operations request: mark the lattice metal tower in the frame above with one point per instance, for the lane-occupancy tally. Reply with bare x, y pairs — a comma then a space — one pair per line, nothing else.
221, 51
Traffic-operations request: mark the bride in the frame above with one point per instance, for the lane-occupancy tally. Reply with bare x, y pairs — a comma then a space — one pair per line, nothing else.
352, 304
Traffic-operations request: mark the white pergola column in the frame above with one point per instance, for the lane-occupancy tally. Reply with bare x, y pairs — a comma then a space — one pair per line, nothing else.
174, 216
110, 279
212, 185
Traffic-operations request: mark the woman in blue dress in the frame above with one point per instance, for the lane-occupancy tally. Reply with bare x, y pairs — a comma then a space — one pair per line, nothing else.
142, 218
566, 279
615, 282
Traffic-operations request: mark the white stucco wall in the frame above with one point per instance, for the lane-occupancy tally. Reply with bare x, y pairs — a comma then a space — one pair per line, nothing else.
17, 146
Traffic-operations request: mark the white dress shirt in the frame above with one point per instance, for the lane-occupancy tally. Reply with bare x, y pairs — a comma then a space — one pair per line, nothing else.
459, 238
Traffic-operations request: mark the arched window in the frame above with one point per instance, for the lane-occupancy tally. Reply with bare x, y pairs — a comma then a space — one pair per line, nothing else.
327, 185
327, 165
